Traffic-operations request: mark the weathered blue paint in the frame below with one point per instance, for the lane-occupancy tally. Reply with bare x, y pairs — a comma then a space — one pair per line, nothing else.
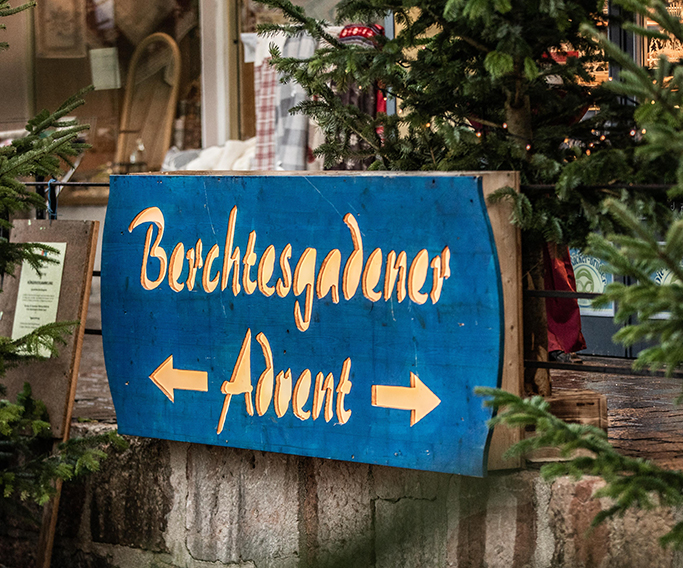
453, 345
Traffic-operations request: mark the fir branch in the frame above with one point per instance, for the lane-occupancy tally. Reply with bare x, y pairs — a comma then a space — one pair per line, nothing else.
42, 339
5, 9
13, 168
46, 120
30, 469
296, 14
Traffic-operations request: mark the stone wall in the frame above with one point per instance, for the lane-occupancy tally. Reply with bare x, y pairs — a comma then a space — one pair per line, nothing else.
166, 504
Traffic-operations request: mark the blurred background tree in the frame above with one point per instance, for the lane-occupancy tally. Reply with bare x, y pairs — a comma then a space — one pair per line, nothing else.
648, 243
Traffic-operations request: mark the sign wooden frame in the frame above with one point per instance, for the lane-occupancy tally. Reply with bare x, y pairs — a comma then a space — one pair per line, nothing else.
174, 327
54, 380
509, 244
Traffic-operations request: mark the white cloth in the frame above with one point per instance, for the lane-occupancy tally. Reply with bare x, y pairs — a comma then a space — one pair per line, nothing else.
249, 42
236, 155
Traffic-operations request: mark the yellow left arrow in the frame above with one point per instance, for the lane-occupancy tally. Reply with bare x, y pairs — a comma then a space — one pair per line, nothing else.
167, 379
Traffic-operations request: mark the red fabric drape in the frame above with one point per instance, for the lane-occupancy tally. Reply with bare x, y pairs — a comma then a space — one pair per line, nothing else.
564, 319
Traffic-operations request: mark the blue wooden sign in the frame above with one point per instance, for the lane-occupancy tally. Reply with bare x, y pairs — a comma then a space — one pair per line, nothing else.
339, 316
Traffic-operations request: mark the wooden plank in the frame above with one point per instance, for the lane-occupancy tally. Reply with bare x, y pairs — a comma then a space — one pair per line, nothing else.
580, 407
576, 407
185, 348
48, 526
509, 246
54, 380
644, 419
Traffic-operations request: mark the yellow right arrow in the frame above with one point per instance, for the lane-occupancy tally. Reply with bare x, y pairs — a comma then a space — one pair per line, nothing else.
417, 398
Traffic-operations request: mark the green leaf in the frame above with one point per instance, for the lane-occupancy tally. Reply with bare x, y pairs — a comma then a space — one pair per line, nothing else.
530, 68
498, 63
503, 6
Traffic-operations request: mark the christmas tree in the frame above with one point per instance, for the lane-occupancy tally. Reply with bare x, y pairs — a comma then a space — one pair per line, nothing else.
28, 468
482, 85
647, 248
498, 84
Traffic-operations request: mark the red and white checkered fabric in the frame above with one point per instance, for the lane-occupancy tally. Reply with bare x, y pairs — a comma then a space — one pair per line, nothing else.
266, 84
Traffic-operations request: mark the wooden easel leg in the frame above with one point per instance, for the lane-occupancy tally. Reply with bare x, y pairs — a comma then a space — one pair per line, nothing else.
48, 527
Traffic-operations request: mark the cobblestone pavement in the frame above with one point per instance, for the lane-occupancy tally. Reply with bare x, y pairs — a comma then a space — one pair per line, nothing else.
93, 399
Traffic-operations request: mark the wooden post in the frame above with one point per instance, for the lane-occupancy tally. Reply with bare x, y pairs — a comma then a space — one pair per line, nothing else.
509, 246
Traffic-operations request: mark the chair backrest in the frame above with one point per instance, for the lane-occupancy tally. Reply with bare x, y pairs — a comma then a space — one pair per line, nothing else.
149, 104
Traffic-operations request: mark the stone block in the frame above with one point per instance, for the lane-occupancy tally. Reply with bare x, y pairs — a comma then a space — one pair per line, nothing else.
410, 532
131, 497
491, 521
213, 499
19, 532
242, 506
635, 539
467, 542
545, 538
572, 510
268, 512
510, 526
396, 483
345, 533
71, 507
62, 558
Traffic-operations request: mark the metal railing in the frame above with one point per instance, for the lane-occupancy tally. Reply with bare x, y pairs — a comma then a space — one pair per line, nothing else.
660, 189
48, 190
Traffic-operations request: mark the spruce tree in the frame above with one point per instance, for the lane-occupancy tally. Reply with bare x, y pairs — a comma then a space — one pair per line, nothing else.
647, 244
28, 467
480, 85
485, 84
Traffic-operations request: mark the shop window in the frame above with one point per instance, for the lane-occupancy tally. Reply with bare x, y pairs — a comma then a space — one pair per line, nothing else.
655, 47
83, 42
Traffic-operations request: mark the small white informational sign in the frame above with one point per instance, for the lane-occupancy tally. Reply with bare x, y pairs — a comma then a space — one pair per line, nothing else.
38, 296
104, 68
591, 277
663, 277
